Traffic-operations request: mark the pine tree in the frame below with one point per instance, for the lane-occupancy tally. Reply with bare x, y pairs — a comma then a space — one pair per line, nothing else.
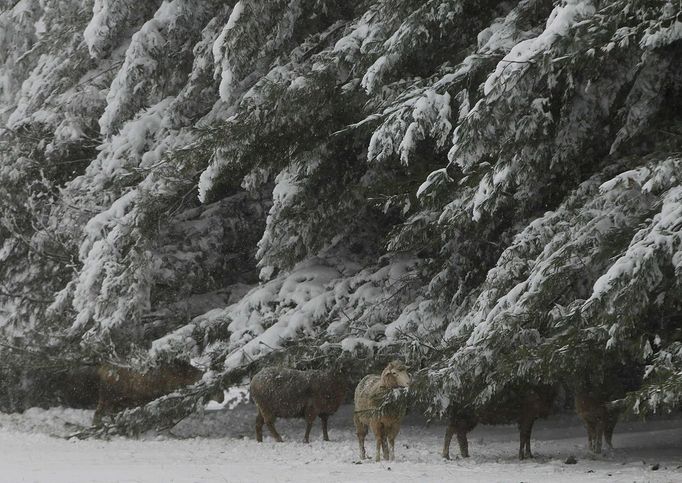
488, 189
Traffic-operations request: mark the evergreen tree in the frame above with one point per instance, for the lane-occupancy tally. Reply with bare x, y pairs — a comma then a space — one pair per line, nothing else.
488, 189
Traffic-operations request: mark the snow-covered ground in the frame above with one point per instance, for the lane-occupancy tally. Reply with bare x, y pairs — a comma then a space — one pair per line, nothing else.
220, 448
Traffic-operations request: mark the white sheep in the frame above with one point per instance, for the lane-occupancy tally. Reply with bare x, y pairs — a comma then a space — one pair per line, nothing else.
372, 410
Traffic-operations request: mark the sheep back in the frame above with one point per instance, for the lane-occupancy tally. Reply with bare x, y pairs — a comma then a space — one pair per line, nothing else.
286, 393
514, 405
127, 388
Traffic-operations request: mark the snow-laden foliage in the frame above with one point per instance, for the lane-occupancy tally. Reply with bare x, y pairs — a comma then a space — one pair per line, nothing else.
488, 189
110, 23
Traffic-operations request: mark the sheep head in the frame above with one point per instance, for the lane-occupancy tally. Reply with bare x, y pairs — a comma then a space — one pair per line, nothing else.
395, 375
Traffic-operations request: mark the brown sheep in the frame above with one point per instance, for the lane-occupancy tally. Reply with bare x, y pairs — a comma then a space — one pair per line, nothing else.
384, 421
600, 419
521, 405
593, 404
288, 393
121, 388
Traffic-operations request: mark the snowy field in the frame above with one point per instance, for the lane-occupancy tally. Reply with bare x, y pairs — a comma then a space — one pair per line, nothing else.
220, 447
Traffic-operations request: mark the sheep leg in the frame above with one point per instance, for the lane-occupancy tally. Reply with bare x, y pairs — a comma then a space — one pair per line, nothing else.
392, 433
106, 408
525, 431
590, 435
595, 434
598, 436
529, 453
324, 418
308, 427
97, 418
608, 429
379, 437
449, 433
463, 442
259, 427
309, 420
384, 444
522, 445
270, 423
101, 404
106, 404
361, 431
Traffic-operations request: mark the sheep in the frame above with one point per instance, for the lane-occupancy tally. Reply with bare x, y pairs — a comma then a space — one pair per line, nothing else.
600, 419
121, 388
289, 393
593, 401
523, 405
383, 419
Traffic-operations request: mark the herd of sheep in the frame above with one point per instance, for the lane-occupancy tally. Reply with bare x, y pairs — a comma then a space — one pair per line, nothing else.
288, 393
279, 392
